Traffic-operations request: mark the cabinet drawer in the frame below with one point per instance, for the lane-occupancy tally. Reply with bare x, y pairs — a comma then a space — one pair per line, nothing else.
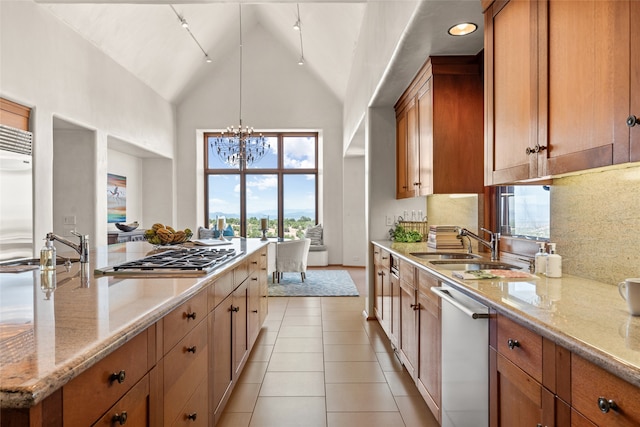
89, 395
381, 257
219, 290
254, 262
185, 368
262, 262
132, 409
521, 346
408, 273
425, 282
195, 411
182, 319
590, 384
241, 272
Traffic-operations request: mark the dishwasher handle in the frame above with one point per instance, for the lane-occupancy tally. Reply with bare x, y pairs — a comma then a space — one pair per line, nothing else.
446, 295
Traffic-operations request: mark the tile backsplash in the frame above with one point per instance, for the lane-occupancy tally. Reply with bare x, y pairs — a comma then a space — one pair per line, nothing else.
595, 221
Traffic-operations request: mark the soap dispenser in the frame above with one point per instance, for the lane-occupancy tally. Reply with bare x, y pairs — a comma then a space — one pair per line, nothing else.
541, 259
554, 262
48, 256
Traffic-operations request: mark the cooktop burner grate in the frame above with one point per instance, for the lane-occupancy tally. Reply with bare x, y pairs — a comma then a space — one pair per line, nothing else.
189, 259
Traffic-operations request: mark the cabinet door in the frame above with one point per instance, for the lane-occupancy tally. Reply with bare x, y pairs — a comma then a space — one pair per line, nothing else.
239, 325
395, 322
425, 126
407, 179
379, 273
588, 78
515, 398
402, 185
408, 336
220, 356
253, 314
511, 85
429, 351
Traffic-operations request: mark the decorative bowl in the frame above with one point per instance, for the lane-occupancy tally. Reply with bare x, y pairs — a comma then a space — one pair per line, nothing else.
127, 227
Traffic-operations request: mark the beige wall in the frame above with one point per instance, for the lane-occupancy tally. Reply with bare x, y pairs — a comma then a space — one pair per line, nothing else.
595, 222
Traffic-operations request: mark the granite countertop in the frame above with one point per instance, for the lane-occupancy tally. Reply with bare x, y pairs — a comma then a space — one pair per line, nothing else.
587, 317
49, 334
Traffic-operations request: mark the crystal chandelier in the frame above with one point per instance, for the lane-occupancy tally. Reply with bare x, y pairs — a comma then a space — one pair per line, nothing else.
239, 146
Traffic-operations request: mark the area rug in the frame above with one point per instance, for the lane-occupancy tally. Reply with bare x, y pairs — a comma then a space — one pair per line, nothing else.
319, 283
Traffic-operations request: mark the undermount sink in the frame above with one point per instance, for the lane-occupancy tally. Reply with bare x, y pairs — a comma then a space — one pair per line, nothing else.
444, 255
473, 265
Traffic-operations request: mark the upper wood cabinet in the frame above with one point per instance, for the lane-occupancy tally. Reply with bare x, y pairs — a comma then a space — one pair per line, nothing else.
439, 129
559, 79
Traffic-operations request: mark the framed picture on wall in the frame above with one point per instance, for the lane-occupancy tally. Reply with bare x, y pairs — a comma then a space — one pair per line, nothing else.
116, 198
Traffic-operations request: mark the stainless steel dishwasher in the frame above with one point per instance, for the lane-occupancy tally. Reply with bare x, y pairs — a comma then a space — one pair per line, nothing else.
465, 359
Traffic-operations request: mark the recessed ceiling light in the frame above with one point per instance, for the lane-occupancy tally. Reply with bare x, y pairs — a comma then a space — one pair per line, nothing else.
463, 29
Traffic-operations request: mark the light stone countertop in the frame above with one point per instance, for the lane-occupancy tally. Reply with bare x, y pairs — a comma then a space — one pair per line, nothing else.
49, 338
587, 317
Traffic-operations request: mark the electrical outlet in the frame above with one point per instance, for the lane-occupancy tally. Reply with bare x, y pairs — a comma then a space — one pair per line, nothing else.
70, 220
389, 220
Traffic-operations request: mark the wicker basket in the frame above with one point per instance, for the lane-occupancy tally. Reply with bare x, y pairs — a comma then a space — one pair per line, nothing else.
421, 227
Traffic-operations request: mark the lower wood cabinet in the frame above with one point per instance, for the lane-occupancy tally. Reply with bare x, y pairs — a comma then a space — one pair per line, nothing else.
132, 409
86, 398
178, 372
602, 398
429, 335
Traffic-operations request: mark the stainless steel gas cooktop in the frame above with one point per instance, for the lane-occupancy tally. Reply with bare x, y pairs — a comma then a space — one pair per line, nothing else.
175, 262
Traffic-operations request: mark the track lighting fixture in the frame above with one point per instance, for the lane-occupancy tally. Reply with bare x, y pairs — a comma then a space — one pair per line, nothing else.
184, 24
298, 26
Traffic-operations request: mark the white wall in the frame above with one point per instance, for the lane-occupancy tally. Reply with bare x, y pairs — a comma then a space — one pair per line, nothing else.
278, 94
73, 183
354, 219
131, 167
48, 67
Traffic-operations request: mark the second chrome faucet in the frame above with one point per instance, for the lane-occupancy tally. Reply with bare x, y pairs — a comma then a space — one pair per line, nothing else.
492, 243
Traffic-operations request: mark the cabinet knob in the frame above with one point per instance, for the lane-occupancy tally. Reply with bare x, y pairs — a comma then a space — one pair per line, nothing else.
512, 343
606, 404
191, 349
235, 309
538, 148
192, 416
191, 316
632, 121
118, 376
254, 311
254, 279
120, 418
415, 306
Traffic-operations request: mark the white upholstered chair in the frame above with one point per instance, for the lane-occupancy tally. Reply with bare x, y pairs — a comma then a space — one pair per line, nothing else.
291, 256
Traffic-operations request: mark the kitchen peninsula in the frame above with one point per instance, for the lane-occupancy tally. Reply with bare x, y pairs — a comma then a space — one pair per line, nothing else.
135, 345
565, 349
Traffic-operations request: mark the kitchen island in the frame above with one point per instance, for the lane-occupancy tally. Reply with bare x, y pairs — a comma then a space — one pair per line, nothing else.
52, 331
571, 337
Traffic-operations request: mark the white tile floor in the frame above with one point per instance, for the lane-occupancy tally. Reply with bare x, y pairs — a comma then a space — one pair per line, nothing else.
318, 362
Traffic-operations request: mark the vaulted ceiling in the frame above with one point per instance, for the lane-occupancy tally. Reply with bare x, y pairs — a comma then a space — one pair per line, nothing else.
146, 36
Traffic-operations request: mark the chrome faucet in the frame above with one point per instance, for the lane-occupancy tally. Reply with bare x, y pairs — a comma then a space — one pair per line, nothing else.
492, 243
82, 248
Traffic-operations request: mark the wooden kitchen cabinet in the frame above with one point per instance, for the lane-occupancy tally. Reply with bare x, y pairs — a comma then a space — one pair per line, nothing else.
602, 398
511, 92
439, 117
183, 371
429, 335
132, 409
382, 302
87, 397
408, 308
561, 79
589, 48
220, 371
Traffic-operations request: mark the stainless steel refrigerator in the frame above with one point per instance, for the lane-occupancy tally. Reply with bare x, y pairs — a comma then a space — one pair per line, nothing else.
16, 194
